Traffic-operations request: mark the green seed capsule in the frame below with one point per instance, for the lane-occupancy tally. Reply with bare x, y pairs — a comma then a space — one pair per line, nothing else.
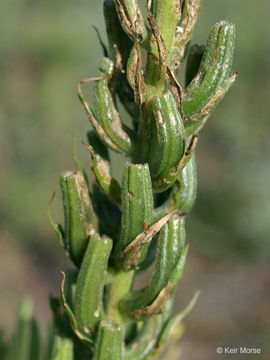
169, 252
109, 341
182, 194
106, 112
120, 46
137, 204
168, 136
169, 177
213, 79
63, 349
88, 304
80, 219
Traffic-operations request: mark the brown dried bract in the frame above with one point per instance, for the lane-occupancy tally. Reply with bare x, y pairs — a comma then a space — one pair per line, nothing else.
158, 304
132, 252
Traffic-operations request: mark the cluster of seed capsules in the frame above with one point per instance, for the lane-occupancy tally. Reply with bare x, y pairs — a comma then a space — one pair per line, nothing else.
114, 232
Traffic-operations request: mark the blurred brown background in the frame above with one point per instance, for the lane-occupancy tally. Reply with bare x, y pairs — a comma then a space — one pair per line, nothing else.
46, 47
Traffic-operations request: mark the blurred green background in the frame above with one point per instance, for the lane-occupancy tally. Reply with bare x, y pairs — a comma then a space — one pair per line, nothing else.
46, 48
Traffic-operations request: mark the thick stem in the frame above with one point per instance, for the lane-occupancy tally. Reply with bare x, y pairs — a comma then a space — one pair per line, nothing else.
120, 285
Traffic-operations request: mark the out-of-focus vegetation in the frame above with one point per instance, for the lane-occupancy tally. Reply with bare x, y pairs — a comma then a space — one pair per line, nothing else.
46, 47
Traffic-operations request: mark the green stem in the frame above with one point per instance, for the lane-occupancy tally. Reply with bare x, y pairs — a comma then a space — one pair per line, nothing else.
120, 285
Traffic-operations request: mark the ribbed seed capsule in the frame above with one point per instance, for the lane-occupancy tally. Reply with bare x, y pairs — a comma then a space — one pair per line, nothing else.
120, 46
137, 204
169, 253
213, 79
182, 194
109, 341
80, 219
88, 304
106, 112
167, 145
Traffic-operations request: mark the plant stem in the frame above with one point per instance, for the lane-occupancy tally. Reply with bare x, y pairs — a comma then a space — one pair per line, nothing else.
120, 285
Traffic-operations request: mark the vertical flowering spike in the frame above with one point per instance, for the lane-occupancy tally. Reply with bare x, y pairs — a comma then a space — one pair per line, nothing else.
183, 193
103, 313
109, 341
80, 219
88, 304
169, 253
214, 77
137, 203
